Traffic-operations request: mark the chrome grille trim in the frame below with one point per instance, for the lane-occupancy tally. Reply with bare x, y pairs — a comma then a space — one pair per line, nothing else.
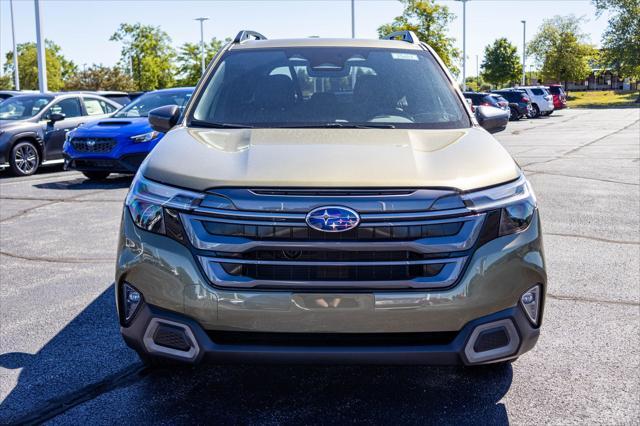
446, 277
248, 215
465, 239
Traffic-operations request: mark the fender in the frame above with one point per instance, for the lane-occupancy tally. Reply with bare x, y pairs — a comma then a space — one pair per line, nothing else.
35, 133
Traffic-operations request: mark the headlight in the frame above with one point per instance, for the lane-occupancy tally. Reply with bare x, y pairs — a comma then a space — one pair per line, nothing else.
148, 200
145, 137
516, 201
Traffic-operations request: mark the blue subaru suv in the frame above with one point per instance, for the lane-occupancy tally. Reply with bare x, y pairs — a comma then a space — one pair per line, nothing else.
120, 143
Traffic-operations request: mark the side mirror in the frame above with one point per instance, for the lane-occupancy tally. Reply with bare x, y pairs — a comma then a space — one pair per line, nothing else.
56, 116
164, 118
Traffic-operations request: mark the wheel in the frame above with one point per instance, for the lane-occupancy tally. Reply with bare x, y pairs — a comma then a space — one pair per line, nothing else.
535, 111
24, 159
96, 175
515, 115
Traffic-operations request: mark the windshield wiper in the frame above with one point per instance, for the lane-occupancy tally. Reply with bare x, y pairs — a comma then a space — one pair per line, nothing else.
198, 123
338, 126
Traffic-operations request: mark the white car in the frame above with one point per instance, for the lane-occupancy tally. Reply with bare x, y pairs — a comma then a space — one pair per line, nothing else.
541, 100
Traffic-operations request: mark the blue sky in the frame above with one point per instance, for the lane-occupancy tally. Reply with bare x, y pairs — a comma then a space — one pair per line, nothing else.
83, 27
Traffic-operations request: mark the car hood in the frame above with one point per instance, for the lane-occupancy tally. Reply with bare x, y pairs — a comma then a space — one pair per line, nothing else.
115, 127
15, 124
202, 159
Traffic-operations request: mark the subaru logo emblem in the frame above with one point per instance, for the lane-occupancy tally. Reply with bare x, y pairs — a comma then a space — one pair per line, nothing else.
91, 143
332, 219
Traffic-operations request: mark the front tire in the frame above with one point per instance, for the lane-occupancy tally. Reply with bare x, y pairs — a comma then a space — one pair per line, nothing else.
515, 115
24, 159
96, 175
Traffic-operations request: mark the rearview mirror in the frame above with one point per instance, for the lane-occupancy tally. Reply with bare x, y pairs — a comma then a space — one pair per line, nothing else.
164, 118
56, 116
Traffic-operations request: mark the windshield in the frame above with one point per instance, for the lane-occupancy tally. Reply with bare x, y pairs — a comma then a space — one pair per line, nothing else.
23, 107
145, 103
329, 87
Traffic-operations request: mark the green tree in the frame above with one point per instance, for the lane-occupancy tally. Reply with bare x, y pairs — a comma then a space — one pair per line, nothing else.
100, 77
501, 63
58, 67
621, 39
429, 21
147, 51
562, 50
189, 60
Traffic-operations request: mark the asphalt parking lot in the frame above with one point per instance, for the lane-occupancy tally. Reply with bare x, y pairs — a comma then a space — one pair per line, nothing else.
62, 359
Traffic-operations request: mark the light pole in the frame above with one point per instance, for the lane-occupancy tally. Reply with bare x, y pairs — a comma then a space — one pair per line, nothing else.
353, 18
16, 75
464, 44
524, 52
42, 60
202, 40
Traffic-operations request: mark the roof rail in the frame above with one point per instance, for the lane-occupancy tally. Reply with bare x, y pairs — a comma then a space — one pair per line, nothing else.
248, 34
406, 35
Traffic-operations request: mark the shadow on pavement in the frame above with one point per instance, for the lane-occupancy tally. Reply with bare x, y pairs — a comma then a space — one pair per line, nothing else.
88, 353
120, 181
83, 352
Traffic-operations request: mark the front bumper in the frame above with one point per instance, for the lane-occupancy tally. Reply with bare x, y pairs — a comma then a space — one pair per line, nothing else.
218, 348
126, 164
174, 288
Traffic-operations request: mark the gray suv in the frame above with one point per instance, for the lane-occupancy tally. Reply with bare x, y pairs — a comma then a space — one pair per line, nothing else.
329, 201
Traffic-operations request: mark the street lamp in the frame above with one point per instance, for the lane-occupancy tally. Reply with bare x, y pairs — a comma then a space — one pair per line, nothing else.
16, 75
353, 18
524, 51
42, 59
464, 44
202, 40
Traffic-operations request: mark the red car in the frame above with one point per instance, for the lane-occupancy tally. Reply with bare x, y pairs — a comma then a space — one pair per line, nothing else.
559, 96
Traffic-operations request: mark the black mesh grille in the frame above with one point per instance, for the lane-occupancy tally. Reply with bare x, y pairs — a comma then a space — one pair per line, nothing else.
93, 145
171, 337
303, 233
94, 164
491, 339
332, 273
331, 255
331, 339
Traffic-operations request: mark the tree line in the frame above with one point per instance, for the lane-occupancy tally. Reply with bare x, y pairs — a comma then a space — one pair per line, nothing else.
562, 52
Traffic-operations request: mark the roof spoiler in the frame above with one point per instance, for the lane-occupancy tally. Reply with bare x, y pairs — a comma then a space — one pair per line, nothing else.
245, 35
406, 36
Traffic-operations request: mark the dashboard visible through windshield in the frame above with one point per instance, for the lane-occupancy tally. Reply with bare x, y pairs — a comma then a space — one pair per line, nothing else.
329, 87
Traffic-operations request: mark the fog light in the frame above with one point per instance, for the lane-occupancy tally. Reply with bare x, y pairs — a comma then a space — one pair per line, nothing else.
530, 302
132, 299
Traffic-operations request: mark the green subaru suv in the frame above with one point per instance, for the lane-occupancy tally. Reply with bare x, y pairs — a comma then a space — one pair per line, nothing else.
329, 201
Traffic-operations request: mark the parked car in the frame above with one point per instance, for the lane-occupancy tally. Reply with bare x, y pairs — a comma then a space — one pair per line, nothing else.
120, 143
559, 96
519, 103
6, 94
491, 116
327, 200
541, 100
122, 98
33, 127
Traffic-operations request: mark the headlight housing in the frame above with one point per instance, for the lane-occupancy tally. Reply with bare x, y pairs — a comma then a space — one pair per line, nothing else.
515, 200
145, 137
151, 204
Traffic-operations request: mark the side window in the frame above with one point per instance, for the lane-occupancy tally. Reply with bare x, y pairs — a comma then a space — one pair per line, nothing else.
108, 108
537, 92
70, 107
97, 106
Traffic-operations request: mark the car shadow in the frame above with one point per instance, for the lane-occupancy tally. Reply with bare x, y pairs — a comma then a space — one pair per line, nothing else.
81, 361
82, 183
